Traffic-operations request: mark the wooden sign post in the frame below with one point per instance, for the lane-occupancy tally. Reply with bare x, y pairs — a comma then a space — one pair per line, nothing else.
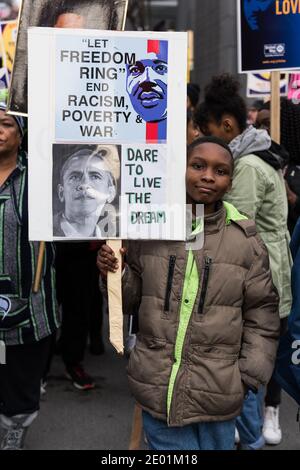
114, 291
275, 106
39, 267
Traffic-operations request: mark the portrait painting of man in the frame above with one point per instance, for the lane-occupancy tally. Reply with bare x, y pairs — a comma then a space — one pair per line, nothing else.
85, 14
147, 87
86, 191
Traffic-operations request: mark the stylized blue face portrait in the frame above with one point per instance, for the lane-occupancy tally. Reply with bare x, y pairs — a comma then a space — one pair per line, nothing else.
147, 85
252, 9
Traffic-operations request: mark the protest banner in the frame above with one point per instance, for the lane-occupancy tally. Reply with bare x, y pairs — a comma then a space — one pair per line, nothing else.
259, 85
268, 35
84, 14
8, 35
9, 10
106, 162
294, 88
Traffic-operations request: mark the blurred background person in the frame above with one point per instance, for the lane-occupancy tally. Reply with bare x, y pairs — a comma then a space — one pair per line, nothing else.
193, 95
253, 110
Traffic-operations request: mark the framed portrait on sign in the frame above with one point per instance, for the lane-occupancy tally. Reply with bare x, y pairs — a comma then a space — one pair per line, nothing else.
74, 14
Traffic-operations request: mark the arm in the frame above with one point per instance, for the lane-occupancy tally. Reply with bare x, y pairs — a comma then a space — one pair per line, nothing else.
261, 323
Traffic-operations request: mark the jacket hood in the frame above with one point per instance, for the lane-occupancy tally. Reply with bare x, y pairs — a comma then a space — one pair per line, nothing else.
250, 141
276, 156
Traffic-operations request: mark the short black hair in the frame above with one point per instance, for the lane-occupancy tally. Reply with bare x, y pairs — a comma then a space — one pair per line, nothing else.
222, 97
210, 140
193, 92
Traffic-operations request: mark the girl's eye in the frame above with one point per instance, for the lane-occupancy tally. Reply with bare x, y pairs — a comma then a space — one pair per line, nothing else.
222, 172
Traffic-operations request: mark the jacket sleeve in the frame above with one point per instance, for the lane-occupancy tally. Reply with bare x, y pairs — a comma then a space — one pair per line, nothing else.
248, 189
261, 323
132, 280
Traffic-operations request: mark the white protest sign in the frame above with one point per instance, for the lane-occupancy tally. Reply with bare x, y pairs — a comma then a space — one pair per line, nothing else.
107, 134
259, 85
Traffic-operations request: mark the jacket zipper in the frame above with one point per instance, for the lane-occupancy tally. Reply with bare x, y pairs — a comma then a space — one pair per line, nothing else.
208, 262
169, 282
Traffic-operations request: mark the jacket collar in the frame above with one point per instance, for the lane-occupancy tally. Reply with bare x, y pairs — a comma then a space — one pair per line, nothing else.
215, 222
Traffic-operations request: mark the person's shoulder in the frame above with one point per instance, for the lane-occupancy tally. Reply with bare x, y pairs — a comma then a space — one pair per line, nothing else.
243, 234
255, 163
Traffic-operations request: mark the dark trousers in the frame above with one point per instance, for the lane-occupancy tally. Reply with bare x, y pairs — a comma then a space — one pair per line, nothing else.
80, 299
273, 395
20, 377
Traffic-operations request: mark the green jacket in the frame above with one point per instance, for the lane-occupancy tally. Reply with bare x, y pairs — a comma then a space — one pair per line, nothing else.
259, 191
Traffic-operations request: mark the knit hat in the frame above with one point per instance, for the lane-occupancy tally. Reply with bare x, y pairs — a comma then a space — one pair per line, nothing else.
19, 120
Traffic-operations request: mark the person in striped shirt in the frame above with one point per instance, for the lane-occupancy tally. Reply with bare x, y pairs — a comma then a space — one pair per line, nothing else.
28, 320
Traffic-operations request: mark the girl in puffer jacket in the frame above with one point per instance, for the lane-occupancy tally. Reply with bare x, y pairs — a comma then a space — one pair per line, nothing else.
208, 317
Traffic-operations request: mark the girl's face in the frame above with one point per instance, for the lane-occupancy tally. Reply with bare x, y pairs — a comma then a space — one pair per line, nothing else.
209, 175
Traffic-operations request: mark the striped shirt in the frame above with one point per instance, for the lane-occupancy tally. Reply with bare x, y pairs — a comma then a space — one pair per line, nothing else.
25, 317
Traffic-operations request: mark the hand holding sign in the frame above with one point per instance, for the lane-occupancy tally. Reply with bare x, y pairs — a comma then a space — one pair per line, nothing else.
107, 260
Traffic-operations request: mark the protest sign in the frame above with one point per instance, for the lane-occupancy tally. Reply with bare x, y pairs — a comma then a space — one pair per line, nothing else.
268, 35
86, 14
106, 160
8, 35
9, 10
259, 85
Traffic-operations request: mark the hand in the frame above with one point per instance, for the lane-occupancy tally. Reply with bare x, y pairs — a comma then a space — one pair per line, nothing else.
107, 261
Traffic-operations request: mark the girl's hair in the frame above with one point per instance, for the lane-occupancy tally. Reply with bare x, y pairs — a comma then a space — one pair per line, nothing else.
222, 97
193, 92
208, 140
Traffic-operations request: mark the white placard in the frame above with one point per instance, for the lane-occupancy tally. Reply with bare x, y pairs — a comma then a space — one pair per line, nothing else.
107, 134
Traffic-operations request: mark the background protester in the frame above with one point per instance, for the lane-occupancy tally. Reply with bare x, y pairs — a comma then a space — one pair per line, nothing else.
258, 190
289, 151
290, 139
193, 132
253, 110
81, 302
193, 95
27, 320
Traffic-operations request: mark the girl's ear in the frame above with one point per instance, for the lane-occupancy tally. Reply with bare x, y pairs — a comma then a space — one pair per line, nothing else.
228, 125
